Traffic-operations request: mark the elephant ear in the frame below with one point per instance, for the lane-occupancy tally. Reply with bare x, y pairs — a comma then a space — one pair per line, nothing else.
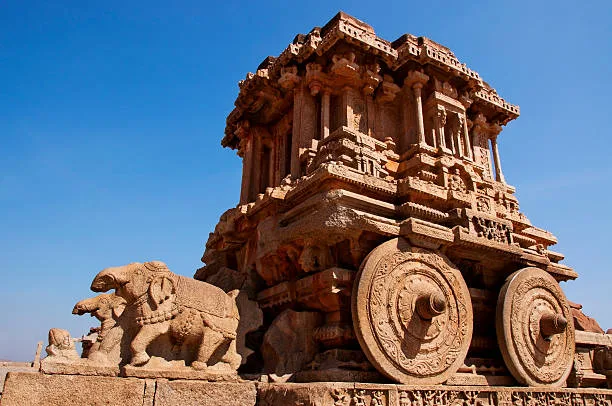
160, 290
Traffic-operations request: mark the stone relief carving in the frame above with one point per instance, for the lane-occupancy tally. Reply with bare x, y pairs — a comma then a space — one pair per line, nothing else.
492, 230
455, 182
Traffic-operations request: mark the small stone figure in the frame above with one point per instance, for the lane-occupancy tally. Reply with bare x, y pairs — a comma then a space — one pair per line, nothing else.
61, 345
359, 398
377, 398
341, 398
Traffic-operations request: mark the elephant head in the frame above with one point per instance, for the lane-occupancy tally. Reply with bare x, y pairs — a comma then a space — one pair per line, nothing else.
103, 307
136, 280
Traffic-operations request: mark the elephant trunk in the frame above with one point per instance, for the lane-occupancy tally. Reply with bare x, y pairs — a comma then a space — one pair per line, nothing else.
110, 278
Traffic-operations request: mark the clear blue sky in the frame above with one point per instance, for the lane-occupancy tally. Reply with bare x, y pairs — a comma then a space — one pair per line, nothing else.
111, 117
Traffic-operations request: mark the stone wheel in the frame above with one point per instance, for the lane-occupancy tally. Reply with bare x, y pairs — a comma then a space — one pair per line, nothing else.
534, 328
412, 313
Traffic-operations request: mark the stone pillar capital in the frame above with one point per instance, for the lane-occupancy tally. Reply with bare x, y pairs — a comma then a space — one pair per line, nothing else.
416, 79
494, 130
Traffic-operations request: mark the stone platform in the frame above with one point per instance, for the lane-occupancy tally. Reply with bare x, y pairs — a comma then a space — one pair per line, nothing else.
25, 389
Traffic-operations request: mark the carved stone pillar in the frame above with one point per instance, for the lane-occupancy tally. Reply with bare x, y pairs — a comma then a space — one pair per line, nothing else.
246, 152
257, 165
480, 137
416, 80
298, 98
419, 111
466, 137
325, 114
499, 175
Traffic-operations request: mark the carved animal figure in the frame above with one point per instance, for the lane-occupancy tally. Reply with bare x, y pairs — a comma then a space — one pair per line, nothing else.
180, 308
107, 308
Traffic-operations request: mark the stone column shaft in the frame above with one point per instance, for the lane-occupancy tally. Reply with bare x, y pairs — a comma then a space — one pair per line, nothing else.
247, 163
298, 97
325, 115
466, 140
499, 175
419, 112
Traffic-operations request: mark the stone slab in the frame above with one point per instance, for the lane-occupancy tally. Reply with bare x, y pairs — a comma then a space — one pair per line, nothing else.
186, 373
6, 367
22, 388
188, 393
77, 368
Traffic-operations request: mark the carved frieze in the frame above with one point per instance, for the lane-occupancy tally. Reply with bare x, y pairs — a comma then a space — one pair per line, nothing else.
492, 230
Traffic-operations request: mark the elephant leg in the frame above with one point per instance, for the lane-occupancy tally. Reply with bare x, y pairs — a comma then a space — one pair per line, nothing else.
232, 357
211, 340
141, 341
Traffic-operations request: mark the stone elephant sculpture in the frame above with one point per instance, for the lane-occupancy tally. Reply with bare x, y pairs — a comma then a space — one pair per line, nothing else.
188, 312
107, 308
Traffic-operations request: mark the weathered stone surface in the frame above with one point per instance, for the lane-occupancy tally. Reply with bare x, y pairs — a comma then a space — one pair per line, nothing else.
582, 322
193, 393
6, 367
251, 318
178, 370
81, 366
289, 344
23, 389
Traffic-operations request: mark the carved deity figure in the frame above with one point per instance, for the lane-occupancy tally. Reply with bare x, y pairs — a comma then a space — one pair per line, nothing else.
341, 398
359, 398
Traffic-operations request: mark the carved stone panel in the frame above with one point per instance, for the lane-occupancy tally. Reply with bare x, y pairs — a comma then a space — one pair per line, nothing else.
412, 313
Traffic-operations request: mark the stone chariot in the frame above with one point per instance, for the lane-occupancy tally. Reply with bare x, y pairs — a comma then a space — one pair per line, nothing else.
376, 247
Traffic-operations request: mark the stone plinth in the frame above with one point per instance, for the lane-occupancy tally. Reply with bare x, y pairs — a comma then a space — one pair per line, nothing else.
51, 390
23, 389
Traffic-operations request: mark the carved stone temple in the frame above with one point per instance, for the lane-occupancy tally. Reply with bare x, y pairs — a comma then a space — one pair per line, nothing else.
377, 256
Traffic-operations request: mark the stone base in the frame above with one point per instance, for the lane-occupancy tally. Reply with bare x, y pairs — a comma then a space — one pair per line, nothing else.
349, 394
466, 379
77, 368
338, 375
183, 372
23, 389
